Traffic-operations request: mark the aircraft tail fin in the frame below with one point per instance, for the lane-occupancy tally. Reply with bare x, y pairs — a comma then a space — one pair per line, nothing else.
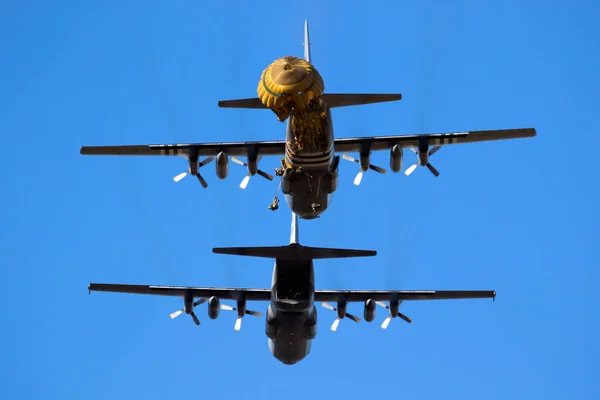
306, 42
294, 236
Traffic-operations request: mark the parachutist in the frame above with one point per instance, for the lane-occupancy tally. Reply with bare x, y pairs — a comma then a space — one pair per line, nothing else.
275, 204
279, 171
302, 172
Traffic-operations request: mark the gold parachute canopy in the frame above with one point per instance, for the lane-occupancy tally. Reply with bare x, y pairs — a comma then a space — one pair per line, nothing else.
289, 83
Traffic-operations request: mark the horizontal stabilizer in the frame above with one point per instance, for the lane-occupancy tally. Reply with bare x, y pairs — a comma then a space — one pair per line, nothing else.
293, 252
253, 102
344, 100
332, 100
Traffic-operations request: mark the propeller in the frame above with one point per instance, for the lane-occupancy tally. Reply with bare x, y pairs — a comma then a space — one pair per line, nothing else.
177, 313
434, 171
386, 321
238, 321
247, 177
336, 323
359, 176
200, 178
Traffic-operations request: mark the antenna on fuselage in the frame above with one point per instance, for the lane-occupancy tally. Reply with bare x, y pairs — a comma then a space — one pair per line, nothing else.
294, 234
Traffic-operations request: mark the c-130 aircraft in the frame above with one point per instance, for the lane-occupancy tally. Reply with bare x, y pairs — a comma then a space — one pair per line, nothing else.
291, 321
293, 89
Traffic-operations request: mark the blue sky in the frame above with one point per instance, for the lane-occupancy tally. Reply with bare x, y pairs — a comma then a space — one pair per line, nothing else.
518, 216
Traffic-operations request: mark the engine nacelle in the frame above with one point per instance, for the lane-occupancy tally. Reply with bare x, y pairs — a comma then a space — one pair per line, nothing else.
188, 303
241, 307
341, 308
252, 166
369, 310
214, 307
424, 157
222, 165
394, 305
396, 155
193, 166
365, 160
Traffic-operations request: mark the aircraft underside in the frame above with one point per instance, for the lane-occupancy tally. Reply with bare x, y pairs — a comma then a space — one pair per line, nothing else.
310, 166
309, 196
290, 334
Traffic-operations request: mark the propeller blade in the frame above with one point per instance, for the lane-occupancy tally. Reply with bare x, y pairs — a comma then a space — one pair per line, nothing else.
245, 182
196, 320
358, 178
202, 181
410, 169
226, 307
349, 158
433, 170
377, 169
414, 150
238, 161
329, 306
382, 304
179, 177
386, 322
175, 314
254, 313
264, 175
404, 317
434, 149
353, 317
335, 324
197, 303
238, 324
206, 161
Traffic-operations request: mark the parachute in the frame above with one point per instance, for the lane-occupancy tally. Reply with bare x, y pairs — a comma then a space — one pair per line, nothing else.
289, 84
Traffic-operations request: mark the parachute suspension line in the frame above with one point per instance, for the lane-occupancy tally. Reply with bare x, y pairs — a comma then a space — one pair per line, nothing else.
278, 187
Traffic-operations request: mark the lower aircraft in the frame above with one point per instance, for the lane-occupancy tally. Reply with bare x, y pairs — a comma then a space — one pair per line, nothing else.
293, 89
291, 321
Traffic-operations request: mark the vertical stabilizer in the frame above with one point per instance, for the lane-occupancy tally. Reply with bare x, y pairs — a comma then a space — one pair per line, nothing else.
306, 42
294, 234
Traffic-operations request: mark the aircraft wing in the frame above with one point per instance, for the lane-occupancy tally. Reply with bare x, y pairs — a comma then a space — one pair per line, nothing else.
180, 291
320, 295
401, 295
241, 149
434, 139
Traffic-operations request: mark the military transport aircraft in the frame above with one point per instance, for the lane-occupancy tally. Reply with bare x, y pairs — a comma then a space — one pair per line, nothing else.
309, 170
291, 321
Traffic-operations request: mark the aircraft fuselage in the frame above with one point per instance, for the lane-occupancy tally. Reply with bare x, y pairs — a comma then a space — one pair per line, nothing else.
311, 167
291, 321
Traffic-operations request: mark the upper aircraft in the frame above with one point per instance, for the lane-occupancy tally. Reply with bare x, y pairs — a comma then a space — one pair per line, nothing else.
291, 320
294, 90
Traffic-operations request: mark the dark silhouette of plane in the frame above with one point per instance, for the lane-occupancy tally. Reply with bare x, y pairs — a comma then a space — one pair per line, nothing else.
291, 321
309, 173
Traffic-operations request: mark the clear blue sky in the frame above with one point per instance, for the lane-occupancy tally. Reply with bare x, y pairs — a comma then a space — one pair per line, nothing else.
519, 217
